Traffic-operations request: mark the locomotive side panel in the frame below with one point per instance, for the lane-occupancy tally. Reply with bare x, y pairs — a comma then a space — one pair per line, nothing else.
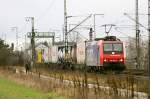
101, 54
92, 54
124, 52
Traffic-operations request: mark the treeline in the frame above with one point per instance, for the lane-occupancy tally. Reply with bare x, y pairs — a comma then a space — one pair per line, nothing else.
132, 54
8, 57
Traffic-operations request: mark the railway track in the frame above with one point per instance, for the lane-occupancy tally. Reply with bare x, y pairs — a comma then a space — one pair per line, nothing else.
136, 74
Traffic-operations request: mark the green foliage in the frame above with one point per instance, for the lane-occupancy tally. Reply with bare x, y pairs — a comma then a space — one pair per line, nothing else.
11, 90
8, 56
5, 53
132, 54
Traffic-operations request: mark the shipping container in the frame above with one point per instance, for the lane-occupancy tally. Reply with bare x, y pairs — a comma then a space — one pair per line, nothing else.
54, 54
73, 53
41, 53
80, 52
45, 55
39, 56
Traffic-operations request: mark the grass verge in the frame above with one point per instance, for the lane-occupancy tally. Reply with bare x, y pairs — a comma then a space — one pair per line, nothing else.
11, 90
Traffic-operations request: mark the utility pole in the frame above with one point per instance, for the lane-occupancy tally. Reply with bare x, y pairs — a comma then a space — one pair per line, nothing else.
137, 36
94, 28
65, 29
25, 38
16, 30
149, 35
32, 42
91, 34
5, 38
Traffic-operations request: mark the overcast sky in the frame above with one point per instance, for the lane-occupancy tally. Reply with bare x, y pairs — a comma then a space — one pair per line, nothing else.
49, 15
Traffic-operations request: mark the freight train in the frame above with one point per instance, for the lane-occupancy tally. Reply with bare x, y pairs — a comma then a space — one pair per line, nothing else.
100, 54
105, 54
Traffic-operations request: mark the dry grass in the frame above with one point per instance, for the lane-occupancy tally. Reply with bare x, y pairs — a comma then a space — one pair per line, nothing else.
79, 89
112, 81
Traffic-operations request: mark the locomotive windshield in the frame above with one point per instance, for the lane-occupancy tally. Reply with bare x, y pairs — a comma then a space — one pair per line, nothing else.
108, 47
115, 47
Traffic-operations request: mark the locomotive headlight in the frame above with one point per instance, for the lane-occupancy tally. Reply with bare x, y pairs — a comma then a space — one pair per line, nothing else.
121, 60
105, 60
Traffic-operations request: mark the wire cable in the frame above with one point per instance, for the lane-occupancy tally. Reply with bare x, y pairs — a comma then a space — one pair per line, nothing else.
47, 10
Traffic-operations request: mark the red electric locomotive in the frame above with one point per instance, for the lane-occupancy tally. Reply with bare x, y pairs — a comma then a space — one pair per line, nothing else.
105, 53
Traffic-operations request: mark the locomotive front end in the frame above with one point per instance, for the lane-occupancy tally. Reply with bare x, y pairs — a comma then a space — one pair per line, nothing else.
113, 55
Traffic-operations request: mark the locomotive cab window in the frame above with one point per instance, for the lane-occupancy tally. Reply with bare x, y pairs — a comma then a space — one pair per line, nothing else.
115, 47
108, 47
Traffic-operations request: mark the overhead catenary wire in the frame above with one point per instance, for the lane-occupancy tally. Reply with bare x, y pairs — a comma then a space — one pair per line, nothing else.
135, 20
40, 16
51, 4
124, 33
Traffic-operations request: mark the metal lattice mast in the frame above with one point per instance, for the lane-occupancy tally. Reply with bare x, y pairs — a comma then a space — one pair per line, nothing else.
16, 30
33, 43
137, 35
65, 24
149, 35
16, 38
